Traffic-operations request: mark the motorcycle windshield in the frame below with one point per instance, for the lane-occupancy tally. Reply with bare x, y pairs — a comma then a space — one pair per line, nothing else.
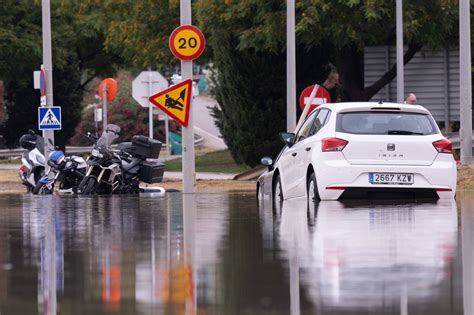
109, 135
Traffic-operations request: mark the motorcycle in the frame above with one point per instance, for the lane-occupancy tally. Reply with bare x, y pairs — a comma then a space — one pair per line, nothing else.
119, 171
33, 162
68, 170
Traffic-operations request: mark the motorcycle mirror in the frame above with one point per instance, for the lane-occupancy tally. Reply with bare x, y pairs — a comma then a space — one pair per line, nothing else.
50, 142
31, 132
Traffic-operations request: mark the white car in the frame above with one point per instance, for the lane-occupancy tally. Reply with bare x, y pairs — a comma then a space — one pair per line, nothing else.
362, 149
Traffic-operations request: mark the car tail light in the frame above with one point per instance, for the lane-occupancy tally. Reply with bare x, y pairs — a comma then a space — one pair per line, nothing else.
333, 144
443, 146
443, 189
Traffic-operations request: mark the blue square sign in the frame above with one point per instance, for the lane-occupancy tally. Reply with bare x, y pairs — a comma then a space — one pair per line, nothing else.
49, 118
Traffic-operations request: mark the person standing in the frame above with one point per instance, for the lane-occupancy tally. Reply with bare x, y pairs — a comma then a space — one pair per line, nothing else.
411, 99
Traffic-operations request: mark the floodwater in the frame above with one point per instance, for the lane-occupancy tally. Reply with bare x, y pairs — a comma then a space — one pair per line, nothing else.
227, 253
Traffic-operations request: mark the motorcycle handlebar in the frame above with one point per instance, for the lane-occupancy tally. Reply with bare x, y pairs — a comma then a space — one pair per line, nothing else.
123, 155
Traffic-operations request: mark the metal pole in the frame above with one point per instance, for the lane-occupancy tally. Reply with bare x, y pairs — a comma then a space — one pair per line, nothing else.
465, 131
48, 135
189, 173
104, 107
446, 89
167, 132
400, 75
150, 106
95, 116
290, 67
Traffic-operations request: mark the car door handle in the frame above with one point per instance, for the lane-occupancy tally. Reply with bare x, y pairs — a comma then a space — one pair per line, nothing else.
308, 149
293, 154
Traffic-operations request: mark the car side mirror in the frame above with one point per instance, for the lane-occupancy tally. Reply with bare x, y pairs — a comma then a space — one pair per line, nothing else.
287, 138
267, 161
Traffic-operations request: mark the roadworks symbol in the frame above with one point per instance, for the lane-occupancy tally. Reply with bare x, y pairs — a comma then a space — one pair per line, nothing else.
175, 101
176, 104
49, 119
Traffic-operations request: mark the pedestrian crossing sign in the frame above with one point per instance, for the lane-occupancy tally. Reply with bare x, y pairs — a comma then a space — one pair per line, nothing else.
49, 118
175, 101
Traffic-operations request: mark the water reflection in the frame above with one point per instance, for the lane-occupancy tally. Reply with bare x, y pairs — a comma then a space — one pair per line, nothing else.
378, 258
223, 254
113, 254
467, 210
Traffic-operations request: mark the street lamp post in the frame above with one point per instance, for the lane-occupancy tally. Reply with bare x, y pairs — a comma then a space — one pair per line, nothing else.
465, 131
290, 67
400, 74
48, 135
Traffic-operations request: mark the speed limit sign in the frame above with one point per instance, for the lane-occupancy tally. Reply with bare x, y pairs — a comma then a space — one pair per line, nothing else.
187, 42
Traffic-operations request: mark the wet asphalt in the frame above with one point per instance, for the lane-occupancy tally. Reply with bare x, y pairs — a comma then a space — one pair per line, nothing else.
227, 253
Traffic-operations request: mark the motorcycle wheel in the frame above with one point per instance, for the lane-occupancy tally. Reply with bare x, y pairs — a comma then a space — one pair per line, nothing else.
87, 186
29, 188
42, 189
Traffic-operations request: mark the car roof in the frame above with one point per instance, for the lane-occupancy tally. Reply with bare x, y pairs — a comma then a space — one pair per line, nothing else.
363, 106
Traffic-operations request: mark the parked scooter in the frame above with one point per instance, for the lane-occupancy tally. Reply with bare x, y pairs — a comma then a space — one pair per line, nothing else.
119, 171
68, 170
32, 168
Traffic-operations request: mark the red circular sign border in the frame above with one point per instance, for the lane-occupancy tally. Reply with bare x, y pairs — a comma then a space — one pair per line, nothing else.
310, 88
201, 37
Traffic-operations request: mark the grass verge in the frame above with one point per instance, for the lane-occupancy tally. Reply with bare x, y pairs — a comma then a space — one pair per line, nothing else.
216, 162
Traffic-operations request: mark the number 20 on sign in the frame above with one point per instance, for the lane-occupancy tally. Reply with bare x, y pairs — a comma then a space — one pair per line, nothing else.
187, 42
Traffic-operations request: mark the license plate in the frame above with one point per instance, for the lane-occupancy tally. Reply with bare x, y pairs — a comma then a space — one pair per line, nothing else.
391, 178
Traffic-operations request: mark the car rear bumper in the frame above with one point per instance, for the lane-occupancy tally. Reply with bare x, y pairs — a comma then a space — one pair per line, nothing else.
335, 176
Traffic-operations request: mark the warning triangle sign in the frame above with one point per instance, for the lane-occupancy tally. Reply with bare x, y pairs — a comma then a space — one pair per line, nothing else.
49, 119
175, 101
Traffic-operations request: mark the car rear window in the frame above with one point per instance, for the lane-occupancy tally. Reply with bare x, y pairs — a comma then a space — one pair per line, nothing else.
385, 123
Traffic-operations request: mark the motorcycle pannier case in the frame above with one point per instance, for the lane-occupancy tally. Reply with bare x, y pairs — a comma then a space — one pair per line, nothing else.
145, 147
152, 172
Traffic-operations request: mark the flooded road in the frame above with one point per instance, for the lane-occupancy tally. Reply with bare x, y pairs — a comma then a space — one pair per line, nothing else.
226, 253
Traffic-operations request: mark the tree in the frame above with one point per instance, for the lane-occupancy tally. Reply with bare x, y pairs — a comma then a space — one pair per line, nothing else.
350, 25
343, 27
250, 90
139, 31
78, 56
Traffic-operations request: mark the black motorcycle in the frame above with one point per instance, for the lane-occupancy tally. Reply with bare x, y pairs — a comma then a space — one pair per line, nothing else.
120, 170
67, 170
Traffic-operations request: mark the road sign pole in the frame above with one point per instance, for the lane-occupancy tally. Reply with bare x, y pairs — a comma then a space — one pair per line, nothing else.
465, 82
399, 31
150, 106
104, 107
48, 135
189, 173
290, 67
167, 132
